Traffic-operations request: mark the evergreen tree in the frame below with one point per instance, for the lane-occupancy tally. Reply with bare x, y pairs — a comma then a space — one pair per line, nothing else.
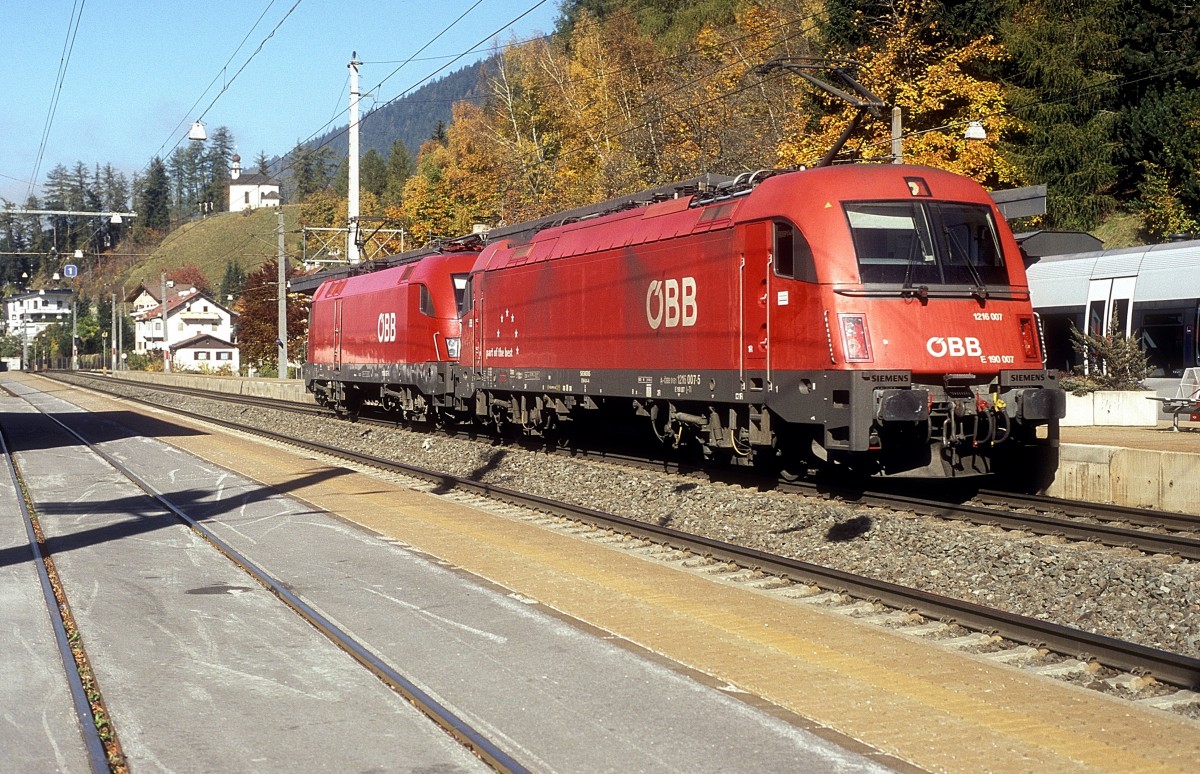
400, 167
372, 173
218, 155
262, 164
1063, 62
114, 196
341, 180
439, 134
310, 170
233, 282
155, 207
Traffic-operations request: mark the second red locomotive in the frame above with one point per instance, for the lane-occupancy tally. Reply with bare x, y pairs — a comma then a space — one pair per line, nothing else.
872, 317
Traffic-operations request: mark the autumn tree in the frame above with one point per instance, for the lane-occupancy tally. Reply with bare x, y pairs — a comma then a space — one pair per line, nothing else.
258, 319
907, 61
189, 276
427, 207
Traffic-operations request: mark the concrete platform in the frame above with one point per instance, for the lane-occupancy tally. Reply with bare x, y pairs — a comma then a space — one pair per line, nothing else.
557, 696
280, 389
201, 669
1144, 467
938, 710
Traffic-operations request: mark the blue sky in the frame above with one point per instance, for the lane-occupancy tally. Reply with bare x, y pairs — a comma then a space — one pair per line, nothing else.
141, 71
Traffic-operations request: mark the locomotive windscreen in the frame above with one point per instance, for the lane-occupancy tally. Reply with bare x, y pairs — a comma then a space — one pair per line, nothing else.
926, 243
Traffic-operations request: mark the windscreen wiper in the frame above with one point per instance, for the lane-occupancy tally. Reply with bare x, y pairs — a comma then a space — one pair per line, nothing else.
980, 289
908, 290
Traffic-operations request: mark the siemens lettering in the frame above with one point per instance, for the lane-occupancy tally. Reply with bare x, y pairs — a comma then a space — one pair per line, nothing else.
671, 303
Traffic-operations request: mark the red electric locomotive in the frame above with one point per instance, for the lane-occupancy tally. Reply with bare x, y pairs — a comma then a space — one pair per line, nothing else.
876, 317
389, 336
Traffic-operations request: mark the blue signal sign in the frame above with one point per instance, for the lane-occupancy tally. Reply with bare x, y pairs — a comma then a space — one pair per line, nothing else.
70, 270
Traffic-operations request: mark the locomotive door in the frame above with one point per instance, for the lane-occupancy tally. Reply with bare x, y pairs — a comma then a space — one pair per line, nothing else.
754, 251
475, 292
337, 334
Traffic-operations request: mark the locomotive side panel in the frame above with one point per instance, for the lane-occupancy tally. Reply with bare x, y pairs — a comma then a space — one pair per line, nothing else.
628, 308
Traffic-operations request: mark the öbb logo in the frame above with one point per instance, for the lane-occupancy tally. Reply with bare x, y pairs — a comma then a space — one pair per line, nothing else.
953, 346
671, 303
385, 328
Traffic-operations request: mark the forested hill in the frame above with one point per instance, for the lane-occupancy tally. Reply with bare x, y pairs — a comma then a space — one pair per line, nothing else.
412, 118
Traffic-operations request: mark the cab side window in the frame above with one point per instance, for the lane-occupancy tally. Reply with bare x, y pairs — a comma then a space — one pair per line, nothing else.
793, 256
426, 302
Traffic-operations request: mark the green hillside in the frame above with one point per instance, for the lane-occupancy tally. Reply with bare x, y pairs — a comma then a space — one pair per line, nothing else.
209, 244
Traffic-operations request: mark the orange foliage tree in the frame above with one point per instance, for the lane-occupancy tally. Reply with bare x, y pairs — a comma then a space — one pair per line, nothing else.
911, 65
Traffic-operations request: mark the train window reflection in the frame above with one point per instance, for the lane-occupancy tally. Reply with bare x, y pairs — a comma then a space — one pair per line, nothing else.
926, 243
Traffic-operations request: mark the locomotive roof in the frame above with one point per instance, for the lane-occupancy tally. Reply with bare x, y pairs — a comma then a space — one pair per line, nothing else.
705, 188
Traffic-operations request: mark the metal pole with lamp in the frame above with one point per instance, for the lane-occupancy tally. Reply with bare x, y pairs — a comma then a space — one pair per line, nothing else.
71, 271
49, 351
281, 295
163, 314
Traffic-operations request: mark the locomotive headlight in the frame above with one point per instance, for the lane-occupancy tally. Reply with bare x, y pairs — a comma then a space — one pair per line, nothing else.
452, 347
856, 344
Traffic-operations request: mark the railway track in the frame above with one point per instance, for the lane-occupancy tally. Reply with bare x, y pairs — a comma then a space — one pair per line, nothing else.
1148, 531
103, 749
100, 736
1174, 669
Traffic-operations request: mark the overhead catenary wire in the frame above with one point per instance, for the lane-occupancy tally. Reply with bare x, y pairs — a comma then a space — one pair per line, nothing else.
459, 56
228, 82
188, 116
63, 63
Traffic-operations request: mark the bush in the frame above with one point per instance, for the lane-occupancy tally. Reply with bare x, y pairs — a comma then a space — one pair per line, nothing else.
1114, 361
142, 361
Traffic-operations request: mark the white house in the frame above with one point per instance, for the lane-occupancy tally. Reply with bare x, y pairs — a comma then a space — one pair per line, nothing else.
189, 314
205, 353
28, 314
250, 192
141, 298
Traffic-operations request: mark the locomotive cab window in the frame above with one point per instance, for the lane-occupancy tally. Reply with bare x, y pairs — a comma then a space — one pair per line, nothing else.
426, 301
926, 243
792, 255
461, 295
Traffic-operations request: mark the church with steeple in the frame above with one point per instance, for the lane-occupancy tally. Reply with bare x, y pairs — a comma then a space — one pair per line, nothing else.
250, 192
